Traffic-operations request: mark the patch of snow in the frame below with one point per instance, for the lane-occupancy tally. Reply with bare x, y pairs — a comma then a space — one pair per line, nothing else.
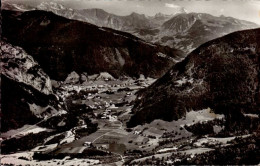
214, 141
196, 151
20, 7
37, 110
61, 123
26, 129
62, 112
34, 131
102, 29
159, 54
141, 77
252, 115
184, 80
217, 129
12, 159
40, 112
167, 149
203, 115
70, 137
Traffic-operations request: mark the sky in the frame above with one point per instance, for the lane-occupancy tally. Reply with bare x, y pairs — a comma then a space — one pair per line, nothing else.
241, 9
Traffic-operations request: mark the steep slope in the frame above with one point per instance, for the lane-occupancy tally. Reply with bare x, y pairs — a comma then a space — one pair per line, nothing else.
61, 46
26, 90
222, 74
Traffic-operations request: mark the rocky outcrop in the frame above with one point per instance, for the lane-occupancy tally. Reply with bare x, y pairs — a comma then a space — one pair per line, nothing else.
61, 46
17, 65
222, 74
26, 91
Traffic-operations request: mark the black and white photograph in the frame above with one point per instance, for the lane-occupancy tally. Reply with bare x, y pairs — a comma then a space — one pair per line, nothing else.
130, 82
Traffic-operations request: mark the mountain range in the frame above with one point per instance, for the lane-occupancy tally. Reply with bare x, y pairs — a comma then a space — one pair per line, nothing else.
100, 17
181, 30
187, 31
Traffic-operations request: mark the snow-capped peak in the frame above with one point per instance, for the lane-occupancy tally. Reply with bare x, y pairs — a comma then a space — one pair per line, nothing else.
16, 7
50, 6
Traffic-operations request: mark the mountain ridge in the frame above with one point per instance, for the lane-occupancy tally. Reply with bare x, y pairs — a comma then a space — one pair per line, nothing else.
182, 30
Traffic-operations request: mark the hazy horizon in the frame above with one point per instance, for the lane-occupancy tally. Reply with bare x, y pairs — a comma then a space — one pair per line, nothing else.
242, 9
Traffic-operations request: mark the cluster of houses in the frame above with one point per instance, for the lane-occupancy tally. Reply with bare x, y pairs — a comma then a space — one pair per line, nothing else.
107, 115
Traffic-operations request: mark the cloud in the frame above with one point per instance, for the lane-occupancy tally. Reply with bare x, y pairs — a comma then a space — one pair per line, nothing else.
171, 5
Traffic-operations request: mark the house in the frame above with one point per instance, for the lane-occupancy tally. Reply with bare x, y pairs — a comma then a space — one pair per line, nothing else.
137, 132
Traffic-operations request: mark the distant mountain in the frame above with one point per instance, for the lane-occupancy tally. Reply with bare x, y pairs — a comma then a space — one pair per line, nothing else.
16, 7
26, 90
222, 74
100, 17
187, 31
160, 18
61, 46
182, 30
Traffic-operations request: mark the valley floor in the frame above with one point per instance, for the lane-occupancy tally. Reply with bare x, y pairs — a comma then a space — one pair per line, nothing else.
111, 142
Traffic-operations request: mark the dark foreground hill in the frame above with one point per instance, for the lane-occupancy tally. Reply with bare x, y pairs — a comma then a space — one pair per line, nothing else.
222, 74
61, 46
